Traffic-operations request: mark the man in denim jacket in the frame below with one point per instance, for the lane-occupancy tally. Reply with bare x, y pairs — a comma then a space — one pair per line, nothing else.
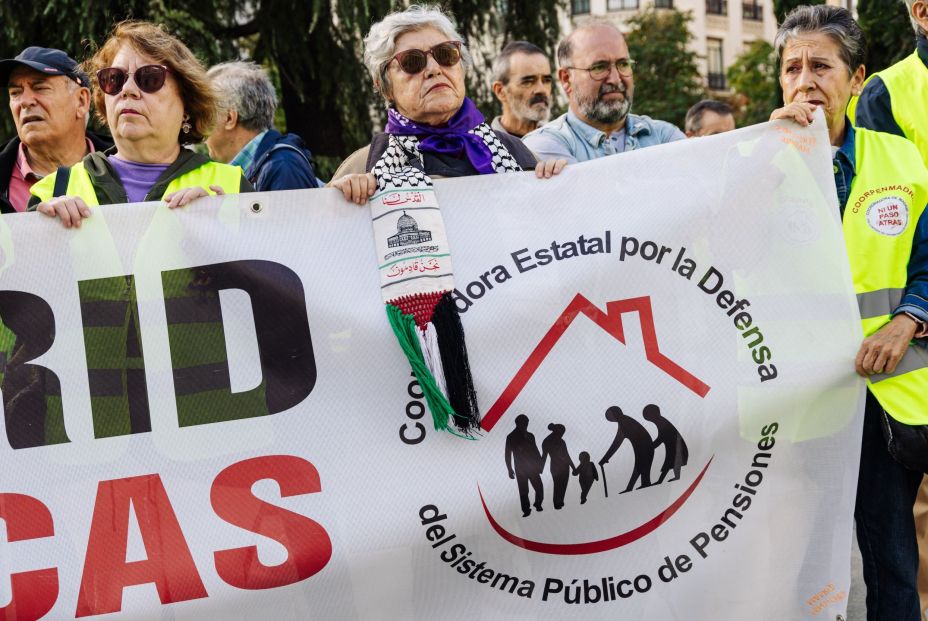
596, 73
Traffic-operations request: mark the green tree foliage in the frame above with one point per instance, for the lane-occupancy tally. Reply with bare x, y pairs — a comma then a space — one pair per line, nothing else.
753, 80
667, 80
782, 7
889, 32
312, 47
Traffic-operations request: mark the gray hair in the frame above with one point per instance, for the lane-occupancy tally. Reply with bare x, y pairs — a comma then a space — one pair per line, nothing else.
501, 64
565, 48
908, 6
245, 88
693, 121
380, 42
834, 21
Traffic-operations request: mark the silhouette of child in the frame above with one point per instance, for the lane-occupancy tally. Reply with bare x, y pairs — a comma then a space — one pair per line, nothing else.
586, 470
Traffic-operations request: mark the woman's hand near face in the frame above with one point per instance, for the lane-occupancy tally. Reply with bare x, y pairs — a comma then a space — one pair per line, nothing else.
357, 187
69, 209
545, 169
799, 112
185, 196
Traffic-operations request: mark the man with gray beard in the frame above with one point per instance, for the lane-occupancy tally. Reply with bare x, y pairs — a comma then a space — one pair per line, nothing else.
522, 82
597, 74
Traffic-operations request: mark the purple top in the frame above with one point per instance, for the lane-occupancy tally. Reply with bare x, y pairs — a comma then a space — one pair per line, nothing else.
137, 179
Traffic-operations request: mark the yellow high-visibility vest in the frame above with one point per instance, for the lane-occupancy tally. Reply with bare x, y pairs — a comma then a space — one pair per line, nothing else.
114, 353
907, 85
885, 202
229, 178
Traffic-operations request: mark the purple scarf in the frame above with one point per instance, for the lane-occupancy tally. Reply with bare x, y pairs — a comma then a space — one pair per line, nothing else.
453, 139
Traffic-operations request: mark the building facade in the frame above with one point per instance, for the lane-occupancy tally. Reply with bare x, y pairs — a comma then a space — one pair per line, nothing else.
722, 29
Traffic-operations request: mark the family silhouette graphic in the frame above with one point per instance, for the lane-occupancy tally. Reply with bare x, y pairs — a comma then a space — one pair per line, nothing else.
525, 462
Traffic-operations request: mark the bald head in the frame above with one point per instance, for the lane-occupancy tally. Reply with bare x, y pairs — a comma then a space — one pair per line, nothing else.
581, 35
595, 72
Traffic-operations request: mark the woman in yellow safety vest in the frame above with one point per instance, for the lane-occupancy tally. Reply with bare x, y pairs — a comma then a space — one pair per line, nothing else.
155, 97
882, 187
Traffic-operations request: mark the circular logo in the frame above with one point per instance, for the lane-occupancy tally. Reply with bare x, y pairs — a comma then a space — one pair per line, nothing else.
888, 216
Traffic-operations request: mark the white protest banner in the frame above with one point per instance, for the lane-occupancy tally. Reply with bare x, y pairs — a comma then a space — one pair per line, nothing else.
207, 415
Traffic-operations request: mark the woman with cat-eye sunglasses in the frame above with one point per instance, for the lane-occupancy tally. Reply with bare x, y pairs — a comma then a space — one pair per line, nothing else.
155, 97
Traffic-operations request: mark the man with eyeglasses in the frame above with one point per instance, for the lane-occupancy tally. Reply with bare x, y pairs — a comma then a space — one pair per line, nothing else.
50, 103
597, 74
522, 83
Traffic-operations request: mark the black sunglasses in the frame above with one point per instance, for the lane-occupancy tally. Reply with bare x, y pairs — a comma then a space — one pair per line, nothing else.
446, 54
149, 78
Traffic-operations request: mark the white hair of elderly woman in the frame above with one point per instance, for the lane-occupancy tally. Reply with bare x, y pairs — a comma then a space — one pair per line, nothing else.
380, 42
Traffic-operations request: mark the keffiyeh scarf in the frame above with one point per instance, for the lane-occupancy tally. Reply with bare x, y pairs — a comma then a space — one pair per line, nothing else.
414, 257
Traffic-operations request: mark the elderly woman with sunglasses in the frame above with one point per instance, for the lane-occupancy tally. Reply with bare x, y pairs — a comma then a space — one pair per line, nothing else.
417, 61
155, 97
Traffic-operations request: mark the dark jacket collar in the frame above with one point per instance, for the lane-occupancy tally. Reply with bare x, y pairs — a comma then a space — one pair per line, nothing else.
7, 162
848, 151
921, 46
270, 139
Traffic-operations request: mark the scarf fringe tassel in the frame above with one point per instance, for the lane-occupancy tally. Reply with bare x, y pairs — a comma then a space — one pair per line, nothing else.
444, 375
453, 350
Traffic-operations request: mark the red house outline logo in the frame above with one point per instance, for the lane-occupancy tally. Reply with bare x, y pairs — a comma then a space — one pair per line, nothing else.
611, 322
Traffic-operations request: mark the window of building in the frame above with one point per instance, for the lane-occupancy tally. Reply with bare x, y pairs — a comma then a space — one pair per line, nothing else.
579, 6
716, 64
621, 5
752, 11
717, 7
663, 4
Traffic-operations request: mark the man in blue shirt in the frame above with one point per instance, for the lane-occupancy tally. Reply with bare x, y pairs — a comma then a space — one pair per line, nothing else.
596, 73
244, 134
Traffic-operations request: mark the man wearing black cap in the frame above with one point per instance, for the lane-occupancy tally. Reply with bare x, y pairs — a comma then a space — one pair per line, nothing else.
50, 103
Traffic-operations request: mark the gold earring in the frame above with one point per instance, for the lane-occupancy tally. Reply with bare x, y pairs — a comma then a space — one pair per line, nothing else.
186, 125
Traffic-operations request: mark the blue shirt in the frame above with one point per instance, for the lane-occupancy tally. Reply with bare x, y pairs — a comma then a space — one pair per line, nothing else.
915, 300
246, 157
570, 138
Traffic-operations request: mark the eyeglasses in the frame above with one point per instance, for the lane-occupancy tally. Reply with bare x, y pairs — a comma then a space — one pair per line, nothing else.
600, 70
149, 78
446, 54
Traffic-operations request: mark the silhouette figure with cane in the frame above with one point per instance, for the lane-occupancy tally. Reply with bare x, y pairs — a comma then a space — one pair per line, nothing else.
642, 446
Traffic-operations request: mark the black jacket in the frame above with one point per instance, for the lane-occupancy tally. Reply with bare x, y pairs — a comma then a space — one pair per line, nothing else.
8, 161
